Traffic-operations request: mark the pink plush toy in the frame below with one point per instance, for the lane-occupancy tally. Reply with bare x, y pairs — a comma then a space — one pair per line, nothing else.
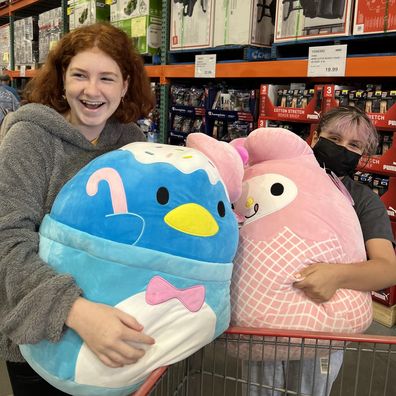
294, 215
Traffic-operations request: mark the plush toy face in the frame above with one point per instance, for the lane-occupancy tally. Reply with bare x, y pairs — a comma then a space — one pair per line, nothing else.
294, 215
160, 197
148, 229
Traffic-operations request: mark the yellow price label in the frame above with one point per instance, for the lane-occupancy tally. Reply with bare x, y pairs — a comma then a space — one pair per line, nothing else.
6, 56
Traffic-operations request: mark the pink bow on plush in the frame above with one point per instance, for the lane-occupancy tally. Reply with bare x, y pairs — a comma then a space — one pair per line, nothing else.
159, 290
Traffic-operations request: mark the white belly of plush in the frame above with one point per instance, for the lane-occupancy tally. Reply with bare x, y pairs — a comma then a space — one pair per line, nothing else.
177, 332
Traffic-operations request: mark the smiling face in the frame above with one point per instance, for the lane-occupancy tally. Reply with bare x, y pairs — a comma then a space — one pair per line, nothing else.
94, 87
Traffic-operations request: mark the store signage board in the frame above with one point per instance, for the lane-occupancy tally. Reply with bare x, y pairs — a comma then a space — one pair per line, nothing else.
205, 66
327, 60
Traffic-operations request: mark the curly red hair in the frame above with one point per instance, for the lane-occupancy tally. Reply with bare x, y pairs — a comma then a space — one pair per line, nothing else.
47, 86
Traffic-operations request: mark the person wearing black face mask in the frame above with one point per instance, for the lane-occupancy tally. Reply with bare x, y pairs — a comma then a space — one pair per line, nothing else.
335, 158
343, 135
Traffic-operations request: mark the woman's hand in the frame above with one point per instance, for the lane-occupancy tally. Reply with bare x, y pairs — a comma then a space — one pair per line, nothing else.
108, 332
318, 281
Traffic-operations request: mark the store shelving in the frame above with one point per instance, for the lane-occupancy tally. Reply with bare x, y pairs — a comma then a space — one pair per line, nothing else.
376, 66
30, 7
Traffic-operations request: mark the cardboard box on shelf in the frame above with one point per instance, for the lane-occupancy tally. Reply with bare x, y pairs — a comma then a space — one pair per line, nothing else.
26, 41
127, 9
290, 102
296, 20
5, 46
239, 22
145, 31
374, 16
191, 24
87, 12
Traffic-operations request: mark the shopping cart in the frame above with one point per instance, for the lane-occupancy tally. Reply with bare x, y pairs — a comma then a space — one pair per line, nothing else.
226, 366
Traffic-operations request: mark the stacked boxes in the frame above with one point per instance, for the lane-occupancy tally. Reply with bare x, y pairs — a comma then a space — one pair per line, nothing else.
312, 19
87, 12
209, 23
5, 46
26, 41
50, 26
141, 20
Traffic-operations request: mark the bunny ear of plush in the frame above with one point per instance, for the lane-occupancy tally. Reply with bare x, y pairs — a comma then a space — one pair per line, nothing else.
226, 158
264, 144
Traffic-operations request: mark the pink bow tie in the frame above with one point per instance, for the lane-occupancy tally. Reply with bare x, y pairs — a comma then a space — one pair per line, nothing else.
159, 290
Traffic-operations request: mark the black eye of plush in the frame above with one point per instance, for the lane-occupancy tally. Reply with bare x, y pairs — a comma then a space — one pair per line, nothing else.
162, 195
221, 208
277, 189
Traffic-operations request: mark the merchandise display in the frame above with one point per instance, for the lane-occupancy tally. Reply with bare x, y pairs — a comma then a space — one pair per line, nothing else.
150, 230
140, 20
5, 46
296, 20
191, 24
374, 16
26, 36
86, 12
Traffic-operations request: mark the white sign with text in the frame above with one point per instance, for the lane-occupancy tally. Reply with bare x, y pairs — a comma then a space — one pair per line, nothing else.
327, 60
205, 66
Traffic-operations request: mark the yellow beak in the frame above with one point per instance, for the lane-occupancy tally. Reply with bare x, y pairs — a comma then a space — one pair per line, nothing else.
192, 219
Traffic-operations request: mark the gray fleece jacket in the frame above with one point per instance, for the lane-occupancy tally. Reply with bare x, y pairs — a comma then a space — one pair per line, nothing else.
39, 152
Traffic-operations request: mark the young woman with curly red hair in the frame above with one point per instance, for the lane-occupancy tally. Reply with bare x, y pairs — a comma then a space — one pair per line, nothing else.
83, 102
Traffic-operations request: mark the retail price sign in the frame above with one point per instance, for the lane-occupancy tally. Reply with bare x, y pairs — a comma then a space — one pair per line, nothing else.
205, 66
327, 60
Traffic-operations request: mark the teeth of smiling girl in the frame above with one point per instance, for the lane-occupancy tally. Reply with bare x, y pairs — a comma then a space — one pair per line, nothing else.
92, 103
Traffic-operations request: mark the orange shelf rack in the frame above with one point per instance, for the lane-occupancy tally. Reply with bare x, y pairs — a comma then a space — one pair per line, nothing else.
376, 66
17, 6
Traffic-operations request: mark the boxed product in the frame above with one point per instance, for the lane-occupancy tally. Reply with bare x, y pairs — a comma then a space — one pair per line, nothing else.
87, 12
5, 46
374, 17
50, 24
309, 19
191, 24
242, 23
126, 9
145, 31
26, 41
293, 102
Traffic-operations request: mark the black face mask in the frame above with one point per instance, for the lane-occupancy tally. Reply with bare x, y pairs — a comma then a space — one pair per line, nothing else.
336, 158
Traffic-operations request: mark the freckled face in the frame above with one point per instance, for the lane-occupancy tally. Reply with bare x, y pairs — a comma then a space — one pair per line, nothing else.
93, 87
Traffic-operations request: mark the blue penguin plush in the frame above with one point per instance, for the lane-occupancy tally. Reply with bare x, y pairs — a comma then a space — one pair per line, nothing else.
148, 229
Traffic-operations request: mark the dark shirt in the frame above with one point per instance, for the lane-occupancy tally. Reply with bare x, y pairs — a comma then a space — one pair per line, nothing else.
370, 210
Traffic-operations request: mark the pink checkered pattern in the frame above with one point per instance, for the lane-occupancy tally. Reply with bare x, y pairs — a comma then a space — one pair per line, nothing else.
262, 294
